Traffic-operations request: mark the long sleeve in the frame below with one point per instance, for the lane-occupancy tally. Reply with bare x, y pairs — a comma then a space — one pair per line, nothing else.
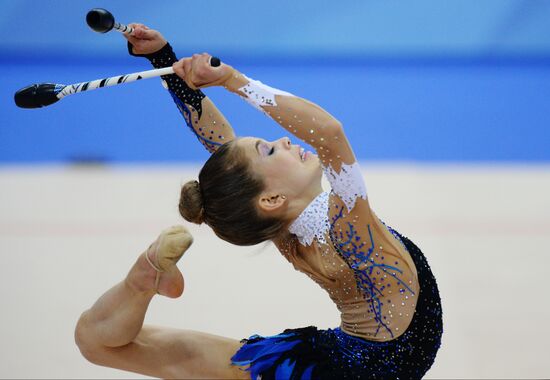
383, 270
202, 117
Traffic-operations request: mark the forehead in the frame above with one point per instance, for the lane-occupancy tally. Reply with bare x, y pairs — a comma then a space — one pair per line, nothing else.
248, 145
247, 141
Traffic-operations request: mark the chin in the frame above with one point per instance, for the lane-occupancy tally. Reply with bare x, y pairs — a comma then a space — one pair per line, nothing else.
319, 170
318, 165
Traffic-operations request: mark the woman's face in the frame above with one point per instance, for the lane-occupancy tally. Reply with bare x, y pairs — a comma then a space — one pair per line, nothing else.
286, 169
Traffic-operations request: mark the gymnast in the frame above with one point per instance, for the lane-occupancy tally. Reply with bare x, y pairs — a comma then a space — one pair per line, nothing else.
249, 191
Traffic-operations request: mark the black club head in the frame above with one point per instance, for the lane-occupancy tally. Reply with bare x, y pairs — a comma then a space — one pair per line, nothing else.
37, 95
100, 20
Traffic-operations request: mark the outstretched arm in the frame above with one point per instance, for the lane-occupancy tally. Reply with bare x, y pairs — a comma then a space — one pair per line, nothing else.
384, 270
304, 119
199, 112
317, 127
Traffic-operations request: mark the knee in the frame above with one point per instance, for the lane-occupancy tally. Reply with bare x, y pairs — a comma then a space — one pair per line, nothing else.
84, 340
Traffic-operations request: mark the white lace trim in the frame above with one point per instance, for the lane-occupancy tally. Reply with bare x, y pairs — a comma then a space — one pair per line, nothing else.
313, 223
348, 184
259, 94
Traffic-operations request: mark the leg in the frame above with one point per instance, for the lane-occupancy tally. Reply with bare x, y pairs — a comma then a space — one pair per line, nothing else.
112, 334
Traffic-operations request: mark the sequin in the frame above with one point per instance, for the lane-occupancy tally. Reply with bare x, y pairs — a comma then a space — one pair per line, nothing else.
313, 222
348, 184
345, 268
186, 99
334, 354
260, 95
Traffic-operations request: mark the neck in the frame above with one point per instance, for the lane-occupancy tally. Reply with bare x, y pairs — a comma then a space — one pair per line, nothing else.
297, 206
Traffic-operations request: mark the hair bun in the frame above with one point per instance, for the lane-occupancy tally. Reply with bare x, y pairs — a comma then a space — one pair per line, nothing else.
191, 205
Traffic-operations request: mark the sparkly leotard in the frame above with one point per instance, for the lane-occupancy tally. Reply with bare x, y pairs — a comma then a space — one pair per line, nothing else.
391, 326
391, 318
366, 269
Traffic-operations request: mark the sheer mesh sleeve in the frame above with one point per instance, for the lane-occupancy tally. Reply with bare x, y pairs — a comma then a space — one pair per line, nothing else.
201, 116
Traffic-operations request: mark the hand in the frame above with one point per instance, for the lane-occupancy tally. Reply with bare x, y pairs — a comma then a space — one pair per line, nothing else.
198, 73
145, 40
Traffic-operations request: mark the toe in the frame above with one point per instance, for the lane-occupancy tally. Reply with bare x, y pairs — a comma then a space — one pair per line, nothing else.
174, 241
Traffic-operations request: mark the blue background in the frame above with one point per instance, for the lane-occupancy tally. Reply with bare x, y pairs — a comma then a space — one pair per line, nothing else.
430, 80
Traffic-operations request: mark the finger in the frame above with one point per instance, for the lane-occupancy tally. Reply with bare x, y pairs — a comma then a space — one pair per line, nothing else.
178, 68
133, 41
187, 66
132, 38
135, 26
197, 60
139, 33
202, 63
205, 58
181, 67
148, 34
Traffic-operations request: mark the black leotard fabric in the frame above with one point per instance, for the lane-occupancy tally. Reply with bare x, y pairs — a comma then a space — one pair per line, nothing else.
165, 57
310, 353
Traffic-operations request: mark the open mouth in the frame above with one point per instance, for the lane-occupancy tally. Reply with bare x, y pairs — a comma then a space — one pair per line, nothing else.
303, 154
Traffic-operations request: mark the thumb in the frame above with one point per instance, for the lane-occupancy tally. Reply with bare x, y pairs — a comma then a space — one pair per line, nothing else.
137, 33
145, 34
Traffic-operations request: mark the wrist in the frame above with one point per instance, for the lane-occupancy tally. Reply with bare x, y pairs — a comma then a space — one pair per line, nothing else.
165, 53
235, 81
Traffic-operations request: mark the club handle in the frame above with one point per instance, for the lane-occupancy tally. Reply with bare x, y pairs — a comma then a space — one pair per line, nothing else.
124, 29
41, 95
113, 81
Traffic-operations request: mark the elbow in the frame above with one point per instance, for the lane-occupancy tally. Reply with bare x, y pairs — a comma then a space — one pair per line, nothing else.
332, 129
334, 126
84, 341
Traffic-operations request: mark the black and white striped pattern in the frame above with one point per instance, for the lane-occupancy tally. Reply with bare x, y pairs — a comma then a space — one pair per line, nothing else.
112, 81
123, 28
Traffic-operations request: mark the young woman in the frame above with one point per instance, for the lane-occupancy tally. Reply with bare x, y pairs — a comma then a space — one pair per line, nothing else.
251, 190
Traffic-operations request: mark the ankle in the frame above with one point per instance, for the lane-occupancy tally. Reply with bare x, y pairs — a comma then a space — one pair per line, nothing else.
137, 288
141, 278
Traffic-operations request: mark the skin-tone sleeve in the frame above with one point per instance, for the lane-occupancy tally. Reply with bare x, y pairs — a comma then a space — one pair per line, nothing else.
304, 119
202, 117
384, 271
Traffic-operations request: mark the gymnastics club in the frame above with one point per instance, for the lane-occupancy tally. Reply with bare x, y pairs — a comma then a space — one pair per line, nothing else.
43, 94
102, 21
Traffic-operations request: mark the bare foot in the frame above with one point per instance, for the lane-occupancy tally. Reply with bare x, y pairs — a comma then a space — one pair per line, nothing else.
164, 253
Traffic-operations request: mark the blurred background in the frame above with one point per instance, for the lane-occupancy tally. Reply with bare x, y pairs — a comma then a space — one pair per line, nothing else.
447, 105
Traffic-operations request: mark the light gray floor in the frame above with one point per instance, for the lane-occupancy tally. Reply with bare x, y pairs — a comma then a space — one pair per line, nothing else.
67, 234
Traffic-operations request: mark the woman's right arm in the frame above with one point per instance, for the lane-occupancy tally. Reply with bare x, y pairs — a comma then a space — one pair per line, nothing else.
200, 114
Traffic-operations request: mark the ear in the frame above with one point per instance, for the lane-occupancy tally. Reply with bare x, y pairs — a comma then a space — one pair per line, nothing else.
271, 202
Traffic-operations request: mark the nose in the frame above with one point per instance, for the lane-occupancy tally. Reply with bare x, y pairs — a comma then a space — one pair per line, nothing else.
285, 142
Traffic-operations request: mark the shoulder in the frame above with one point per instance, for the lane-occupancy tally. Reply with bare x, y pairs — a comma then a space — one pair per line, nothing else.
287, 246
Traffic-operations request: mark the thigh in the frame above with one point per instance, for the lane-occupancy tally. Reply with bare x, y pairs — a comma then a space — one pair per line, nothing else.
174, 353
